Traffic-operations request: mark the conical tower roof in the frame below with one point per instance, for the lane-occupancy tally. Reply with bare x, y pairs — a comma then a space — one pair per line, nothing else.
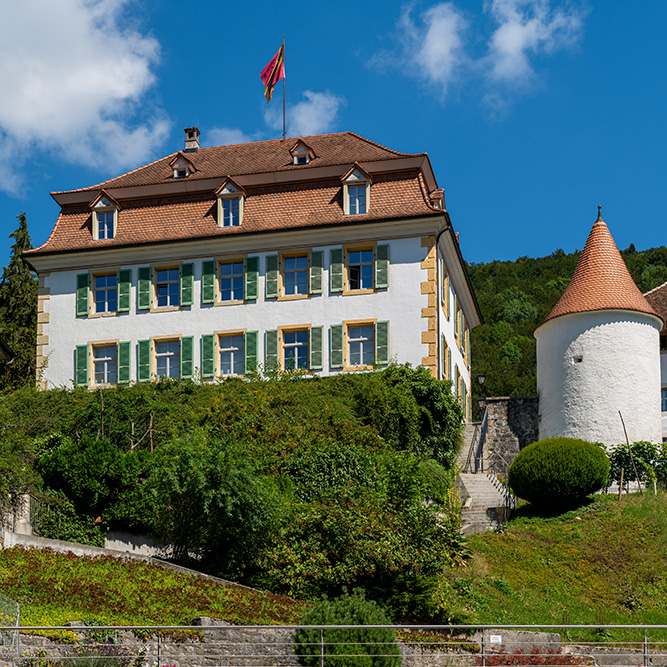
601, 281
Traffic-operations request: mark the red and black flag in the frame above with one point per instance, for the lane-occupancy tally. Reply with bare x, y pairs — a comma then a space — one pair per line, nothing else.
273, 72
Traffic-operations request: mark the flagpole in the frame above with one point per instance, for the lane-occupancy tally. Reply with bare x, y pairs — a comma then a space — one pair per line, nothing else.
283, 88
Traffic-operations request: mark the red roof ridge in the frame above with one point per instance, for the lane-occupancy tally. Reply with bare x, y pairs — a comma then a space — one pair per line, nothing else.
102, 183
375, 143
655, 289
601, 280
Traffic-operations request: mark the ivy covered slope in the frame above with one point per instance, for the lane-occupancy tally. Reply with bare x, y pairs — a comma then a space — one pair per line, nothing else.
516, 296
296, 485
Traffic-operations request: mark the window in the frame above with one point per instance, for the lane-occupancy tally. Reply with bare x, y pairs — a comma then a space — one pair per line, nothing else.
105, 224
356, 199
360, 267
232, 354
361, 345
358, 345
182, 166
295, 275
231, 281
444, 296
105, 363
230, 204
295, 350
167, 287
105, 293
301, 153
356, 191
231, 212
663, 400
168, 358
663, 342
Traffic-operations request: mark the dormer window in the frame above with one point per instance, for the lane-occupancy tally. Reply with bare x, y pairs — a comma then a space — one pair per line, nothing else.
182, 166
301, 153
356, 191
105, 217
230, 204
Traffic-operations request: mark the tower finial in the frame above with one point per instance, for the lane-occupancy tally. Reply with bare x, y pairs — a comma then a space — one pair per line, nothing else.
599, 214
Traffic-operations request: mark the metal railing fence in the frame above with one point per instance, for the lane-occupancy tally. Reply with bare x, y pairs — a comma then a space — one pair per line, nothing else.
10, 617
340, 645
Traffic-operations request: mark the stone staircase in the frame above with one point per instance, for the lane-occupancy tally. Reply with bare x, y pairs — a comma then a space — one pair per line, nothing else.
484, 502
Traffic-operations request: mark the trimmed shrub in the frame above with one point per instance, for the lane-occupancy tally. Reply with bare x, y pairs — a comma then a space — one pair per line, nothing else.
558, 472
650, 461
357, 647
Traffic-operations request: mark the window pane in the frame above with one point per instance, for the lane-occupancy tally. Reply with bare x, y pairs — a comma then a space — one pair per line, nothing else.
295, 349
232, 355
361, 345
295, 275
168, 287
231, 281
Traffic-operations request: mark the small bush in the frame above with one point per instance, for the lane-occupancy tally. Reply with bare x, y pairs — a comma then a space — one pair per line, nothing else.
58, 520
558, 472
347, 648
650, 462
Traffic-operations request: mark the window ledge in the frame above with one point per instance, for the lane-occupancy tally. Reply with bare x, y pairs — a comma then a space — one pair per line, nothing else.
236, 302
348, 292
293, 297
92, 316
164, 309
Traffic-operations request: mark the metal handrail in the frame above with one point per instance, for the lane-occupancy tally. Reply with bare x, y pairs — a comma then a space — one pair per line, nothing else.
477, 445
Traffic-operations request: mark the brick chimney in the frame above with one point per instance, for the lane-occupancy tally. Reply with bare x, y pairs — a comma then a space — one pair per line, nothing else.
191, 139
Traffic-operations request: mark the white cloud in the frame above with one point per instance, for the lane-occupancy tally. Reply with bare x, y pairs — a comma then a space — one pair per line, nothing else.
433, 47
70, 75
224, 136
316, 114
436, 45
528, 27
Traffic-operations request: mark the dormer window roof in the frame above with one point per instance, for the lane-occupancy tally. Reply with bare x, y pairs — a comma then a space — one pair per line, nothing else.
182, 166
230, 203
302, 153
105, 216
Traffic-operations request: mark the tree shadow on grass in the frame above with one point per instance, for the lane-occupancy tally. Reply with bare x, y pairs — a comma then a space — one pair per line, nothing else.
530, 511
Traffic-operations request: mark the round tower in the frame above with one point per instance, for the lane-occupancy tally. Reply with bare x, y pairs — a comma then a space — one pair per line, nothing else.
598, 353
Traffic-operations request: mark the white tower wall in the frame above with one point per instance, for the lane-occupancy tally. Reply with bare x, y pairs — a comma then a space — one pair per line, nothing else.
591, 365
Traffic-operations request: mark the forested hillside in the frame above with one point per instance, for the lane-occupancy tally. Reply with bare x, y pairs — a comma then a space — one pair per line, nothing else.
515, 296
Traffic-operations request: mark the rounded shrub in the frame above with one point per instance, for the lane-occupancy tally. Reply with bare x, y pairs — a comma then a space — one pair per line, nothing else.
356, 647
558, 472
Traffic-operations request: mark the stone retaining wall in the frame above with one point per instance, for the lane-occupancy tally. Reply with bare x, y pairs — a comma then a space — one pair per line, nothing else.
512, 425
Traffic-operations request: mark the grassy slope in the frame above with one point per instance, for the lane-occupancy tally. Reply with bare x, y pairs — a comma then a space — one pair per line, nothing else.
605, 563
53, 589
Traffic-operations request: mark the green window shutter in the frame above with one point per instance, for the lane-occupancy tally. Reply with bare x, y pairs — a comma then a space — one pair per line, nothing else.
208, 282
187, 357
144, 360
271, 287
82, 292
336, 270
124, 362
271, 349
144, 289
82, 365
337, 357
124, 285
382, 343
251, 278
382, 266
251, 351
316, 267
208, 355
187, 284
316, 348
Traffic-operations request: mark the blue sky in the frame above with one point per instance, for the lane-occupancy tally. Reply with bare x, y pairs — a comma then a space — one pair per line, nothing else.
533, 112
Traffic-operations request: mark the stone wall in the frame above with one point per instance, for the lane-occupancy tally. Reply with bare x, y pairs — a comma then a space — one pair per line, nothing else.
513, 424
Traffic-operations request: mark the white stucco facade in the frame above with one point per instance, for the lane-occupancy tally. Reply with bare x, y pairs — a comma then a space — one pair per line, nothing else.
406, 304
594, 364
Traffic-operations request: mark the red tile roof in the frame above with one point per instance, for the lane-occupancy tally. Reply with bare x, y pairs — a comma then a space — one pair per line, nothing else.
657, 299
285, 206
270, 206
257, 158
601, 280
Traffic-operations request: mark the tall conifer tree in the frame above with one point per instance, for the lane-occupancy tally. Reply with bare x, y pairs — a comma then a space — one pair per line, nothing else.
18, 311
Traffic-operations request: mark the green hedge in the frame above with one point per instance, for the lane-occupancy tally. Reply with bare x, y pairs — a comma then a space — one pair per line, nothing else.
357, 647
557, 473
